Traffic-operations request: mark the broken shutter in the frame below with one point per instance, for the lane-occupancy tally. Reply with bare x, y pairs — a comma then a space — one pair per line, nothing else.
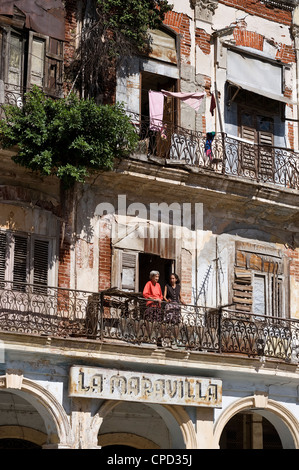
40, 264
20, 268
129, 275
54, 57
248, 151
265, 127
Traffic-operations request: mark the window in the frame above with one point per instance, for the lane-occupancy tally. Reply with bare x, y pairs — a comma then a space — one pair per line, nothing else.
260, 280
256, 127
30, 59
267, 294
24, 259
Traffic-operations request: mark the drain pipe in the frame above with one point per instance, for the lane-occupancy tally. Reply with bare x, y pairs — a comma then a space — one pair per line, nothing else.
295, 33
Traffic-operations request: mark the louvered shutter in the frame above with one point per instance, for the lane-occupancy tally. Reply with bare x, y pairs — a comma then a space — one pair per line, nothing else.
20, 268
40, 264
2, 257
129, 271
36, 60
248, 151
266, 153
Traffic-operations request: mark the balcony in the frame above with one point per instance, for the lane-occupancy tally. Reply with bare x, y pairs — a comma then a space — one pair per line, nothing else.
11, 94
224, 155
122, 317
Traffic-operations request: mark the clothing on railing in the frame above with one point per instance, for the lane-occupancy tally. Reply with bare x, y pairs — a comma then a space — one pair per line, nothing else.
156, 104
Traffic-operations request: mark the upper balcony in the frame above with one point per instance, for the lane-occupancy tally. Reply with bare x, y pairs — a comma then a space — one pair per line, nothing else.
123, 317
215, 153
218, 153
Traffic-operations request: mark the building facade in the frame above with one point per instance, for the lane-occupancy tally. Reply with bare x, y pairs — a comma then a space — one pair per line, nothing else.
211, 194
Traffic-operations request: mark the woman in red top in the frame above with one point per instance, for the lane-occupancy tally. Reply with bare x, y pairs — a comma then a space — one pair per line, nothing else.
152, 290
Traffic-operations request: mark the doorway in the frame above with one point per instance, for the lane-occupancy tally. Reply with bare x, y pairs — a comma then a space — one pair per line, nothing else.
148, 263
249, 431
155, 82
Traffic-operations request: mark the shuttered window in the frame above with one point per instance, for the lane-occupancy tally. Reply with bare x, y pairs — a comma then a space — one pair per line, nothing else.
20, 269
268, 294
256, 128
30, 59
15, 60
24, 259
36, 62
40, 263
129, 271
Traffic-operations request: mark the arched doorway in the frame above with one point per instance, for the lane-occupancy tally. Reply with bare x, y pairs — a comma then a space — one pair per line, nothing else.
21, 426
30, 413
138, 425
143, 426
249, 430
276, 424
17, 444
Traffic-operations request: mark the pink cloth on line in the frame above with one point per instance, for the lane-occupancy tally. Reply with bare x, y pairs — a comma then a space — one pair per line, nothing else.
156, 106
192, 99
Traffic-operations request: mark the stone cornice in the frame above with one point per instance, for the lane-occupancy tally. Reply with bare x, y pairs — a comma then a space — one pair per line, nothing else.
128, 355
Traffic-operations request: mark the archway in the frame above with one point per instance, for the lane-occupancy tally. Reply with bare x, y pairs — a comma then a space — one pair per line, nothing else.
35, 414
283, 426
143, 426
249, 430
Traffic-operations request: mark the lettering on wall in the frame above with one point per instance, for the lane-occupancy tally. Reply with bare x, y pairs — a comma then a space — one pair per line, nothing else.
93, 382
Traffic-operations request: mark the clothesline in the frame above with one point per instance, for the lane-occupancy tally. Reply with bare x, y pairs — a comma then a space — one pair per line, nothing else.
156, 104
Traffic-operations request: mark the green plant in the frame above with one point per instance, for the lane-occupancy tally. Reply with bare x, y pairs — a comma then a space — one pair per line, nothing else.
70, 138
115, 30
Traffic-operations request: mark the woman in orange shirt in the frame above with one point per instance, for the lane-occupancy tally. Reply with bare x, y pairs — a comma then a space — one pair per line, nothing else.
152, 290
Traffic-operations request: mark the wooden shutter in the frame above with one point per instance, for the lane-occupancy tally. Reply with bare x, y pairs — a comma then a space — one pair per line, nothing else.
247, 129
265, 130
40, 262
15, 59
20, 268
129, 272
36, 60
54, 64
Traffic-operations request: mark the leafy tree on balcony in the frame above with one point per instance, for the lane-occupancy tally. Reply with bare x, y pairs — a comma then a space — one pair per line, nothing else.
70, 138
112, 30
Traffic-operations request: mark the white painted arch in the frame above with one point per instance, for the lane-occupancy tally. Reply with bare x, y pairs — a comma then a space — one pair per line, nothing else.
56, 421
170, 414
283, 420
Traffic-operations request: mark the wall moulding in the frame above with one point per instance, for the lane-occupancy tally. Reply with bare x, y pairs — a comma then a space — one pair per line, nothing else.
204, 9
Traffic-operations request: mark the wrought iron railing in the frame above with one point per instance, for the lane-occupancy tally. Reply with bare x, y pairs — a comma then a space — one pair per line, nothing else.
218, 152
15, 94
126, 317
43, 310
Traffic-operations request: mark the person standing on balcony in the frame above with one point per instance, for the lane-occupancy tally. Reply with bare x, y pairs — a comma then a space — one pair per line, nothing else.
172, 295
152, 290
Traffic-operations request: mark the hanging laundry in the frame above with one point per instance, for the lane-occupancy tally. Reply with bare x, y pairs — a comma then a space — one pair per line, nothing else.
156, 106
208, 145
213, 104
191, 99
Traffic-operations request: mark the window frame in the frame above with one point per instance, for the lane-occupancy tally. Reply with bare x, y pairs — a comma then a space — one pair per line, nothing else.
9, 258
270, 309
28, 37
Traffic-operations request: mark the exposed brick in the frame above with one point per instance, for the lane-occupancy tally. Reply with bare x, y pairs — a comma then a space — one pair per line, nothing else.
257, 8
